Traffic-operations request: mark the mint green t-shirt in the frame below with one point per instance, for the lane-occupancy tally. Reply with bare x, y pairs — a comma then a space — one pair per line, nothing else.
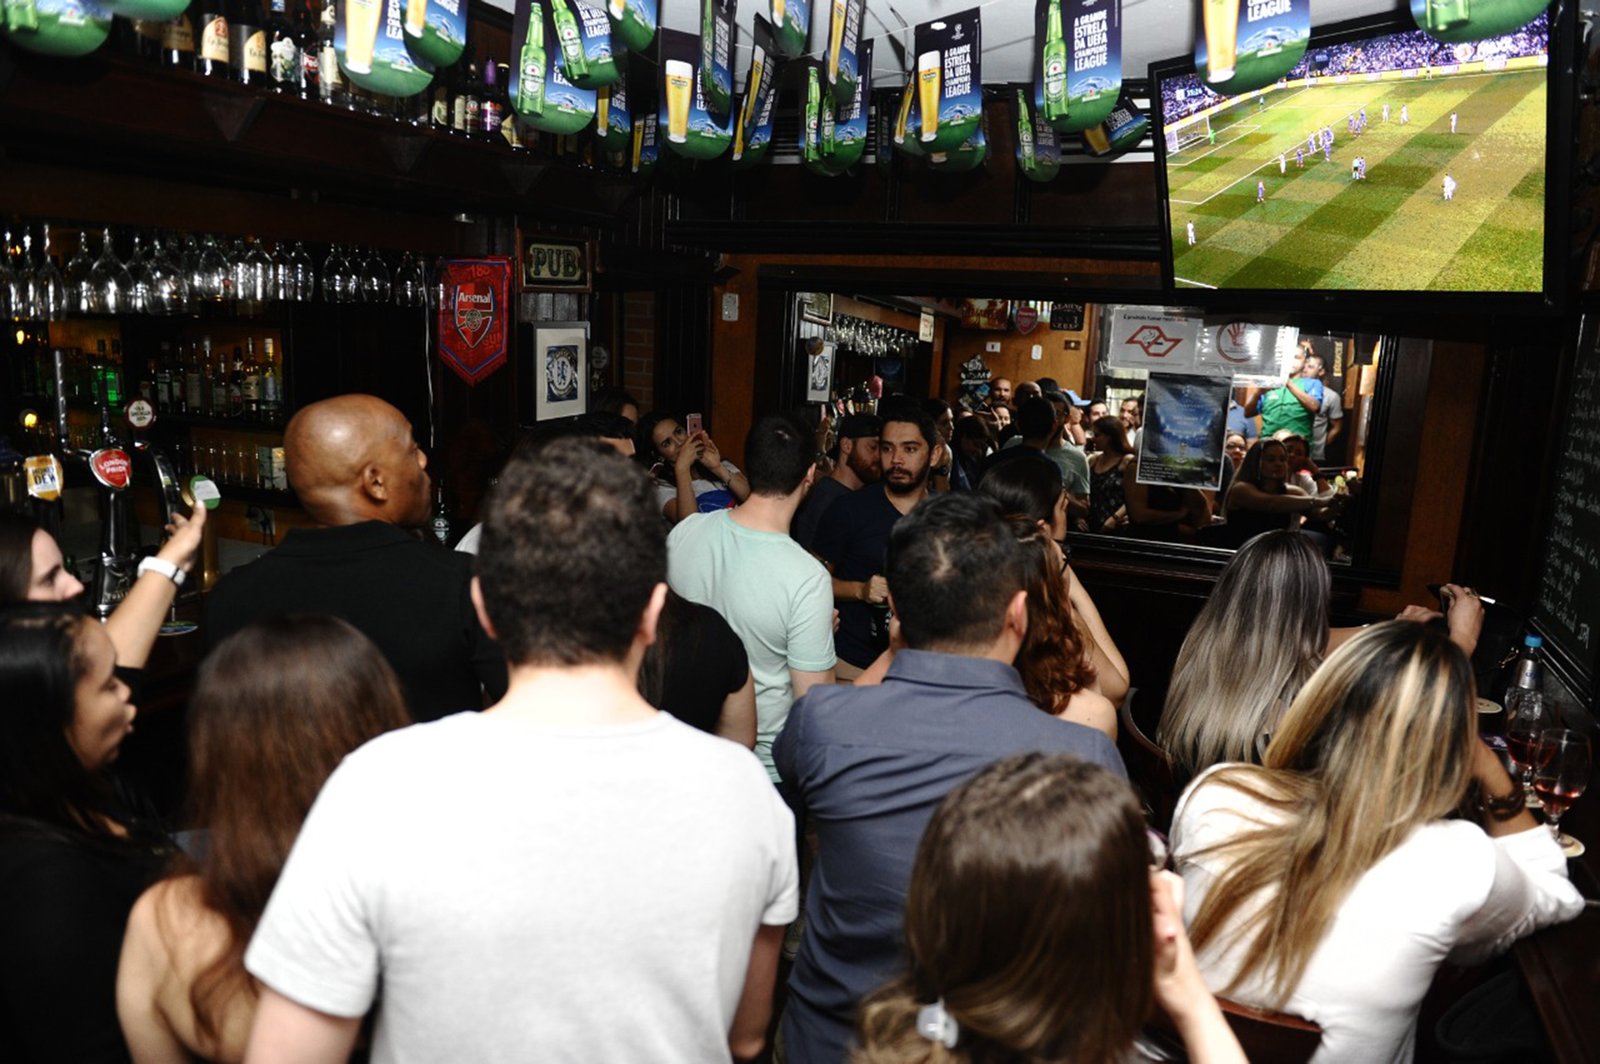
772, 592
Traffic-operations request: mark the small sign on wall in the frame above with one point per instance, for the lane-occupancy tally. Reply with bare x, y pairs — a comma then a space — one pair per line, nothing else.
558, 264
1066, 317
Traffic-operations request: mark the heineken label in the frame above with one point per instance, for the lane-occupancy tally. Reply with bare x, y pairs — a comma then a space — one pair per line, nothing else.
436, 31
57, 27
1249, 44
949, 81
1466, 21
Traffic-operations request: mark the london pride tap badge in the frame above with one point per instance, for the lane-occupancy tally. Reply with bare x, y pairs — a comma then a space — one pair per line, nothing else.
472, 316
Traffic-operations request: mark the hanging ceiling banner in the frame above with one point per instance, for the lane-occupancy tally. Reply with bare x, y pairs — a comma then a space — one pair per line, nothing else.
597, 63
1038, 150
645, 148
613, 122
633, 22
791, 25
370, 41
133, 10
688, 126
57, 27
1122, 131
1078, 69
842, 134
966, 155
949, 76
753, 136
540, 91
844, 46
1249, 44
473, 315
908, 118
436, 31
1464, 21
716, 57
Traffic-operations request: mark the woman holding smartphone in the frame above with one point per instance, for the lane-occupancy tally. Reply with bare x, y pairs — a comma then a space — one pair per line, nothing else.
688, 469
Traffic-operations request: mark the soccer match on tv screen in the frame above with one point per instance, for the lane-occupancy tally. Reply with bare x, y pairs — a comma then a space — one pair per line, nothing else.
1395, 162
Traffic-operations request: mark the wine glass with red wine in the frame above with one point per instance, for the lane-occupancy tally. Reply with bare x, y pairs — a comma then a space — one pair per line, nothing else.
1560, 775
1529, 720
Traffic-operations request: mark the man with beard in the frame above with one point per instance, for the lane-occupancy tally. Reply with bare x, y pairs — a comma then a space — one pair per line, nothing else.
853, 537
855, 464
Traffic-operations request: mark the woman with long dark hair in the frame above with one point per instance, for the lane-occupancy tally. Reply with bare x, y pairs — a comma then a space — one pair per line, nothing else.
1330, 882
1261, 499
73, 855
1037, 931
688, 469
276, 707
1113, 455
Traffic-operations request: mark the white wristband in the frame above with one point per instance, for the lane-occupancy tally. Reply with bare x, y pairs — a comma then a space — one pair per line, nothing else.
154, 564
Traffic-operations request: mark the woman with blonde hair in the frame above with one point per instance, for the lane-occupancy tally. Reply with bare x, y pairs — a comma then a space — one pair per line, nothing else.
1036, 930
276, 707
1328, 883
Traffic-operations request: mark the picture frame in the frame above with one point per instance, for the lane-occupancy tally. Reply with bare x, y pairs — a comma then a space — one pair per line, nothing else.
819, 372
560, 370
547, 265
817, 307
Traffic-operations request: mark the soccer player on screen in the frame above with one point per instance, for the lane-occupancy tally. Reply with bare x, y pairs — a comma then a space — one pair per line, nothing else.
1452, 121
1449, 187
1405, 113
1283, 164
1299, 159
1261, 192
1386, 112
1189, 227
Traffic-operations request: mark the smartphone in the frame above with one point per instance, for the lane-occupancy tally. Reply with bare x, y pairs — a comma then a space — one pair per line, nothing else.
692, 424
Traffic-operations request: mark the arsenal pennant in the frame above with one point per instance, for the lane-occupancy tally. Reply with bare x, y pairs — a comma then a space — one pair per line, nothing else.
473, 315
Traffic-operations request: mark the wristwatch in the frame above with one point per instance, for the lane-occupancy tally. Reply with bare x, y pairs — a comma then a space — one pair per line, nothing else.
154, 564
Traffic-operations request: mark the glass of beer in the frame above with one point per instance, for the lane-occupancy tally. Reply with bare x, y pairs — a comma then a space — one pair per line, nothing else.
360, 34
836, 39
1097, 140
680, 78
780, 8
1222, 39
928, 87
416, 17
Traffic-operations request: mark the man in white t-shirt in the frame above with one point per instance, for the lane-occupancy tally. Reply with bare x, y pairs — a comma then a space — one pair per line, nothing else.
770, 590
567, 876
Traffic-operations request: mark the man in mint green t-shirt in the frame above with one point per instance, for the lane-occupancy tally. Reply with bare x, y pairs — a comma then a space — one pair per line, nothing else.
775, 595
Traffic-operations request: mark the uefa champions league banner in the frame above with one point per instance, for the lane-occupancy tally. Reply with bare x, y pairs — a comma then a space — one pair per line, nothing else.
1462, 21
645, 148
684, 121
613, 122
1038, 150
791, 25
143, 10
1122, 131
541, 94
716, 57
753, 136
844, 62
907, 136
369, 39
594, 62
949, 79
966, 155
58, 27
1249, 44
1078, 69
841, 132
436, 31
633, 22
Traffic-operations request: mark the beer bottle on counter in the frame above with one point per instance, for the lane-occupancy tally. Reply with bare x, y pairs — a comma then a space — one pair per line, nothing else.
177, 41
440, 106
283, 51
305, 40
466, 115
145, 39
250, 389
248, 43
330, 82
492, 108
271, 387
211, 50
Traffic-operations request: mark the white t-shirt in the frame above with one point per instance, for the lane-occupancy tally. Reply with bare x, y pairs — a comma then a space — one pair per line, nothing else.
710, 495
1447, 892
533, 893
772, 592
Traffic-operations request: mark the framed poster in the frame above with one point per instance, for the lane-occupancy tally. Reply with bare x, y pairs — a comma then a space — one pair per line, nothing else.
561, 370
819, 371
553, 264
817, 307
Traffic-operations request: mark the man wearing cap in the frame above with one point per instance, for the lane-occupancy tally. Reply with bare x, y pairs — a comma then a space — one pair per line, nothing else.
855, 464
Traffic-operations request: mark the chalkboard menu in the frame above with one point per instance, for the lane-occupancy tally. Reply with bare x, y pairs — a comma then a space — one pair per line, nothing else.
1568, 607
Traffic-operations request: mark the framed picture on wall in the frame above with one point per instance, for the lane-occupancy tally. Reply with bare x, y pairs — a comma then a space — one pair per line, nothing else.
819, 371
561, 370
817, 307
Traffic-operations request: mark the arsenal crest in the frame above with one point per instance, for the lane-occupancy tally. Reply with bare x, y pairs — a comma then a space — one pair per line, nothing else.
472, 319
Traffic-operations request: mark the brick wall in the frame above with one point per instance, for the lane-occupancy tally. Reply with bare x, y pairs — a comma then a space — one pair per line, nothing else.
639, 347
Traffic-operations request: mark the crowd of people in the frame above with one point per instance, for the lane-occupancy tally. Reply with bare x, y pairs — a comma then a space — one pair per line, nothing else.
552, 795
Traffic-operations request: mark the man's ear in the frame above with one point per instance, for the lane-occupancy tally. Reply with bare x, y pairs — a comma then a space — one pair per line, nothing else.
811, 476
650, 619
1017, 614
483, 614
373, 484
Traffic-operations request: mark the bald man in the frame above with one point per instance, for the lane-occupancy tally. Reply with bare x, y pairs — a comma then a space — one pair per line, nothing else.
363, 480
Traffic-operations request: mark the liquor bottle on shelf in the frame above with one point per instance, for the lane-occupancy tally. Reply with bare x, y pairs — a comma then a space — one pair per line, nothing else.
467, 103
194, 394
271, 386
492, 108
250, 389
113, 389
306, 45
212, 48
247, 31
164, 403
217, 376
440, 108
177, 41
330, 83
144, 39
235, 378
284, 69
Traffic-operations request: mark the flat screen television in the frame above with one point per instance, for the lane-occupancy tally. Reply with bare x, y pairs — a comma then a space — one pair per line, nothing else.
1384, 162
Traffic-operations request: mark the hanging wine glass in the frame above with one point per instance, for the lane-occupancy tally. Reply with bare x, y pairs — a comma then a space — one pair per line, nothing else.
110, 284
334, 269
239, 282
278, 268
409, 290
209, 281
302, 275
8, 278
254, 276
139, 271
47, 289
375, 284
80, 295
165, 279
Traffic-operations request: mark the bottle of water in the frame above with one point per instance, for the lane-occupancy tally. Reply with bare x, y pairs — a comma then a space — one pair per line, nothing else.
1527, 674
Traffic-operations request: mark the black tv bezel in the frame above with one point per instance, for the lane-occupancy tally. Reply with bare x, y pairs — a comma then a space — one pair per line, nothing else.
1552, 298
